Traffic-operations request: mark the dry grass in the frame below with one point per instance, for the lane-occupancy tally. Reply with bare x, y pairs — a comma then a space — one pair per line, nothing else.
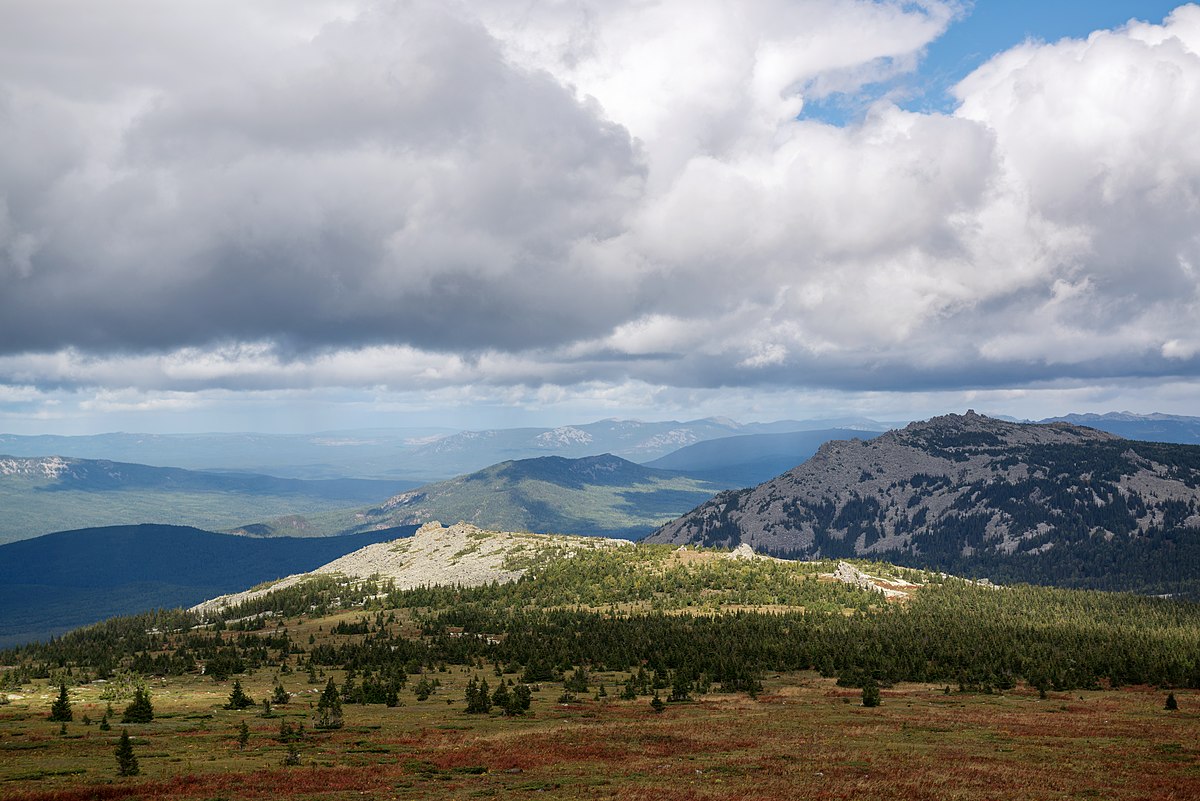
804, 738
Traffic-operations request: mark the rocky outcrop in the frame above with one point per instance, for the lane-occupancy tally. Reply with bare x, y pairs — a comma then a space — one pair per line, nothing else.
461, 555
954, 488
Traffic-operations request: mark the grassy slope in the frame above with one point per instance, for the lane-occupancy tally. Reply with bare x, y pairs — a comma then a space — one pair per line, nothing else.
802, 737
550, 495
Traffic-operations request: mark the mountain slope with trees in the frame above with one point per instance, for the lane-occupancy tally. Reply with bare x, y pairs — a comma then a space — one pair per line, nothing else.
57, 582
1053, 504
594, 495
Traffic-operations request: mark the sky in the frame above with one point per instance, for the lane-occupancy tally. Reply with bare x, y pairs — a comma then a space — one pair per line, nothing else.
299, 216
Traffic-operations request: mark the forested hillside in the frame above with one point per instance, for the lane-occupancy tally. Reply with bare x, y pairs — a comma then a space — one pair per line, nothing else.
601, 495
1052, 504
696, 615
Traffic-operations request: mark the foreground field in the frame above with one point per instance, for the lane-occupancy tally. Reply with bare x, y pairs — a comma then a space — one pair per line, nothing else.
803, 737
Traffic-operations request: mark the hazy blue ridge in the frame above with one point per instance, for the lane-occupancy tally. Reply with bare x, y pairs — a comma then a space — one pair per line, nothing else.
60, 581
750, 459
1178, 429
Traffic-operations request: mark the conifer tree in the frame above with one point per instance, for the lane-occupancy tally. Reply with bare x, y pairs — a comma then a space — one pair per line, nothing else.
60, 710
140, 710
478, 696
870, 693
521, 698
127, 764
329, 708
502, 698
1172, 705
280, 696
238, 698
243, 736
656, 703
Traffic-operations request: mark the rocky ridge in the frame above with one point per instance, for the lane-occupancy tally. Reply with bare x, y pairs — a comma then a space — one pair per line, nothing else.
461, 554
961, 486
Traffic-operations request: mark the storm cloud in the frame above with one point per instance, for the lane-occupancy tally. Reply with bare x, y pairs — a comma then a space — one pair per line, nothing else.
430, 195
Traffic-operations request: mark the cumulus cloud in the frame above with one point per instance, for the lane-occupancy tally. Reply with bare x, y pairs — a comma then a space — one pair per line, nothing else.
576, 193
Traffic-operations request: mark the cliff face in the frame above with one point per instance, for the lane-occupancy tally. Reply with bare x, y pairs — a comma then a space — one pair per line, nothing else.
960, 490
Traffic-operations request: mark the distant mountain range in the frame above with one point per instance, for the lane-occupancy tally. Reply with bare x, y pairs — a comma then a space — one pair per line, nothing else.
1048, 503
366, 453
594, 495
420, 455
744, 461
40, 495
1148, 427
60, 581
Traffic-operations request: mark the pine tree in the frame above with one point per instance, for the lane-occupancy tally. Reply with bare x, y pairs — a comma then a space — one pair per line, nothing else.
238, 698
104, 724
502, 698
243, 736
127, 764
280, 696
657, 704
329, 708
870, 693
521, 698
478, 696
60, 710
681, 687
140, 710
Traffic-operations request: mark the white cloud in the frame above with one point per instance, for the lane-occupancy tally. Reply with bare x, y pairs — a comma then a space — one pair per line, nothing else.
561, 194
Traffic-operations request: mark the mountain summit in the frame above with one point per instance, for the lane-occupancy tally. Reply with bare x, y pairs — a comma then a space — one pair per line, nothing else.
968, 493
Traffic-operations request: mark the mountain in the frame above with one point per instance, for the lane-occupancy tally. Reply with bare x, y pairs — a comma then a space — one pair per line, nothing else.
40, 495
594, 495
366, 453
630, 439
1046, 503
416, 454
1150, 427
749, 459
58, 581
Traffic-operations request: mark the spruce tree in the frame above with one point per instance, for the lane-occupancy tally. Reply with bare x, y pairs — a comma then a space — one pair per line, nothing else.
140, 710
521, 697
870, 693
657, 704
243, 736
329, 708
127, 764
502, 698
280, 695
238, 698
60, 710
478, 696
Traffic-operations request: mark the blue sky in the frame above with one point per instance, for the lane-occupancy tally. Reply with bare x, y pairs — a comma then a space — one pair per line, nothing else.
297, 215
985, 28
